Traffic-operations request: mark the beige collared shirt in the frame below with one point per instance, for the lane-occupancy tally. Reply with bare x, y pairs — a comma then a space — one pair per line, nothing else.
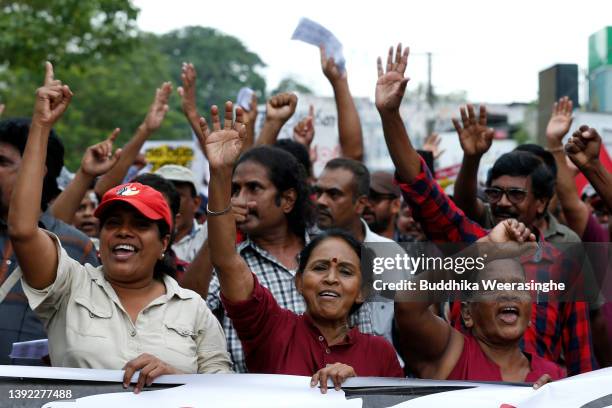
88, 327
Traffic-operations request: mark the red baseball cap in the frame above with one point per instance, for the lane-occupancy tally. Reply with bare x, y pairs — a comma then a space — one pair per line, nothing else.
148, 201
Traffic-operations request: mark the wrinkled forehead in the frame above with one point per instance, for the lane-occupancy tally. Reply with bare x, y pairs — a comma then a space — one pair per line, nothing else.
341, 179
336, 250
9, 151
512, 182
503, 270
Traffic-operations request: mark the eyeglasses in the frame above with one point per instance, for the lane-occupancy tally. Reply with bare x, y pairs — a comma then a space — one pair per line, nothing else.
515, 195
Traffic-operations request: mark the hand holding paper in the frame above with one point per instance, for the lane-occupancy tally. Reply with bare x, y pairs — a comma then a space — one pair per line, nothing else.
319, 36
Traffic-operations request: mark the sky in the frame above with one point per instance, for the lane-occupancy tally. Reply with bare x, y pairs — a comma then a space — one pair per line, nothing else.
493, 50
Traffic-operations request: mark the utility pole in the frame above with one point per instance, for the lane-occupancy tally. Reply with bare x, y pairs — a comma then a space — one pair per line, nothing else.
430, 97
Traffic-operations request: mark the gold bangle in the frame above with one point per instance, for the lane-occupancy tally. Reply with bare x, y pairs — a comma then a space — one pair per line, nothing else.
216, 213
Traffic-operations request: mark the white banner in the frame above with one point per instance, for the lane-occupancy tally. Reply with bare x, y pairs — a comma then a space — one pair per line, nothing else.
261, 390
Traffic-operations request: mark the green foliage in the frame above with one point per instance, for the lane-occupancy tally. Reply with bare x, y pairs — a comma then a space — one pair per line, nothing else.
222, 62
521, 135
291, 85
115, 88
65, 32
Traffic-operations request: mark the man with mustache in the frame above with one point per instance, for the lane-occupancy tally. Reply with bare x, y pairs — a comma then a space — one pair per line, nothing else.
559, 331
529, 184
342, 192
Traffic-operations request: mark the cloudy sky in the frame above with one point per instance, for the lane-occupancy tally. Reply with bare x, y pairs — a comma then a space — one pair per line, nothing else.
491, 49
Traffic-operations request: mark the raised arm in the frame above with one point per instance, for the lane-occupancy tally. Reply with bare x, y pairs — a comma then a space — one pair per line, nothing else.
223, 147
151, 123
390, 89
430, 345
187, 92
278, 111
304, 132
431, 144
349, 126
583, 150
475, 139
575, 210
97, 160
251, 119
35, 250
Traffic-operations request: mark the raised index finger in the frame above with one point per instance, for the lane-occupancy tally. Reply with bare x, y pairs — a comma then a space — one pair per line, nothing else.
48, 73
113, 136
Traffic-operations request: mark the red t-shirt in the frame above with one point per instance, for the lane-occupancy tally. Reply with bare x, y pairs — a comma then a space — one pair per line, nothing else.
278, 341
474, 365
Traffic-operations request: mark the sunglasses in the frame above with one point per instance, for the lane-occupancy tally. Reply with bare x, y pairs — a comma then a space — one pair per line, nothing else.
515, 195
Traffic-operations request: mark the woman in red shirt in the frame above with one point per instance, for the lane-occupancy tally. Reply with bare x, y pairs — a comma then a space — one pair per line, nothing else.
496, 320
319, 343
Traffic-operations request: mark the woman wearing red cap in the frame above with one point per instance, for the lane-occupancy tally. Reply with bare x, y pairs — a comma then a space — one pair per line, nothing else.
127, 313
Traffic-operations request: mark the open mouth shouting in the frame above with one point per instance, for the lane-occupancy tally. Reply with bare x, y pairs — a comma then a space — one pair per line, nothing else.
508, 314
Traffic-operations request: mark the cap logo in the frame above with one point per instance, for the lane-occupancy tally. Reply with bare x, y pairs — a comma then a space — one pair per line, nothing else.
128, 191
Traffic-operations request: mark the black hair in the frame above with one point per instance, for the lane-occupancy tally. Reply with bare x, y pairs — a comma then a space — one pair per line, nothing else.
192, 190
165, 187
15, 131
167, 265
361, 175
285, 173
524, 164
298, 151
542, 154
366, 256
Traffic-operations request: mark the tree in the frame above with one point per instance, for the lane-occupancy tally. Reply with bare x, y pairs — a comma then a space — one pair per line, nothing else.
291, 85
64, 31
223, 64
115, 89
110, 92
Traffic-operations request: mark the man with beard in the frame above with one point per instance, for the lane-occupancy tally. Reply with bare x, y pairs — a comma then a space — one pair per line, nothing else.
525, 178
520, 185
383, 208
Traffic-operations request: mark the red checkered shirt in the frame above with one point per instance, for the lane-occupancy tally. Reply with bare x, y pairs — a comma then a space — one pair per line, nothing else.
559, 331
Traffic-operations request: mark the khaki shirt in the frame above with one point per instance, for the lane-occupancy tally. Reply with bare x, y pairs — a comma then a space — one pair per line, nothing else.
88, 327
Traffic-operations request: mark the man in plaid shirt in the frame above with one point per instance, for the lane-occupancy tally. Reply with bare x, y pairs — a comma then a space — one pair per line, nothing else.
277, 214
558, 329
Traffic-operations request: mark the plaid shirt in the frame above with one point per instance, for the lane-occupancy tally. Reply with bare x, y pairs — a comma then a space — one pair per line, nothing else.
280, 281
559, 330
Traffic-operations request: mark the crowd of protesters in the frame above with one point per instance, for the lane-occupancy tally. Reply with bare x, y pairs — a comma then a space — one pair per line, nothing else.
121, 270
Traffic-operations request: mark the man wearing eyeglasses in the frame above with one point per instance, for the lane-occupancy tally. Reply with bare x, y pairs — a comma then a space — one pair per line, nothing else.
559, 331
521, 185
